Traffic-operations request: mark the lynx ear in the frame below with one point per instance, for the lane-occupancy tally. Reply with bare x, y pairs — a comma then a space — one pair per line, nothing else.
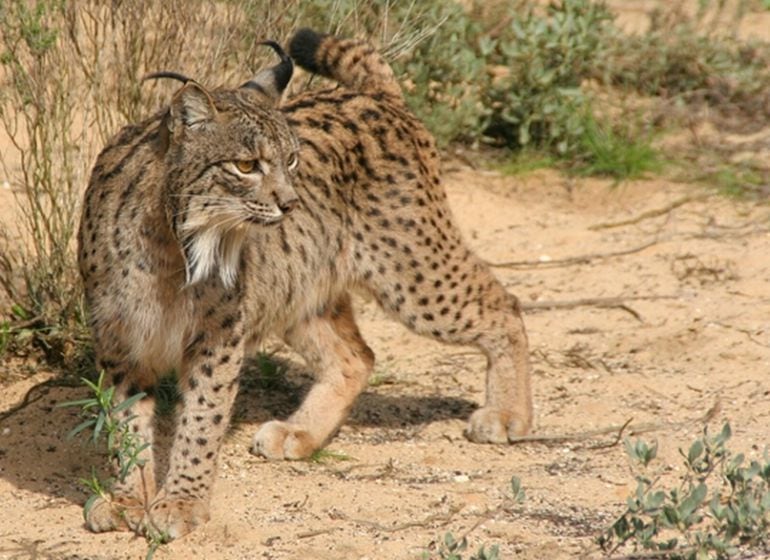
272, 81
191, 107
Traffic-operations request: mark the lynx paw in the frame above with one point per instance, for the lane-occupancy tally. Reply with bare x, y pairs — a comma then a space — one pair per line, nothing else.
120, 513
489, 425
170, 517
281, 440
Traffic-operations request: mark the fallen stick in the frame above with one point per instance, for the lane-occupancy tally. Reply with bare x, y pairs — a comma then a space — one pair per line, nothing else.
569, 261
651, 213
610, 302
442, 518
632, 429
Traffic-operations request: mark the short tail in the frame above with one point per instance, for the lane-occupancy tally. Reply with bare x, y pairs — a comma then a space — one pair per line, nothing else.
354, 64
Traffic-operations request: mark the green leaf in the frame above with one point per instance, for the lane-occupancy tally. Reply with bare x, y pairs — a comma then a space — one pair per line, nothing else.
129, 402
80, 427
89, 504
724, 435
692, 501
86, 403
696, 450
98, 425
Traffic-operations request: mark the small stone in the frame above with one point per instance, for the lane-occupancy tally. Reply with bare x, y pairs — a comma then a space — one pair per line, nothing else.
462, 478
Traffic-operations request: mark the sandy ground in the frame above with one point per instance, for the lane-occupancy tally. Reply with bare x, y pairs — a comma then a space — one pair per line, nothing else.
696, 331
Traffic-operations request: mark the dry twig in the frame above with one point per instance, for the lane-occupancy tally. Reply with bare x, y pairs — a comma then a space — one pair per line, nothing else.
633, 429
569, 261
441, 518
611, 302
29, 399
651, 213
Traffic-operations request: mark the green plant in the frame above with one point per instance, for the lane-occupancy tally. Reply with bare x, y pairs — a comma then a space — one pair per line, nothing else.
270, 373
322, 456
720, 507
737, 180
106, 423
539, 101
526, 161
451, 548
620, 153
697, 59
101, 417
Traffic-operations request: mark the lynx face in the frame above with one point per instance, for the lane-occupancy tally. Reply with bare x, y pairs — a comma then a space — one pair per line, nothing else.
236, 162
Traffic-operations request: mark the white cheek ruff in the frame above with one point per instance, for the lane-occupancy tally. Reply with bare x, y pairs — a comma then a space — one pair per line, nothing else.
211, 251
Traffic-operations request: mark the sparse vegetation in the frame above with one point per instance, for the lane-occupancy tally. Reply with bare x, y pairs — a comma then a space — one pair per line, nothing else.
101, 418
720, 508
103, 424
615, 151
323, 456
451, 548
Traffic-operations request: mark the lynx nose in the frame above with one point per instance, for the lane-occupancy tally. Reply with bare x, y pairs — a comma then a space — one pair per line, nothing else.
287, 206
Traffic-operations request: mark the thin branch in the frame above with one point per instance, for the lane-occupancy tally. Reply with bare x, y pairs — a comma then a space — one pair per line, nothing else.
633, 429
29, 399
651, 213
569, 261
617, 439
609, 302
441, 518
317, 532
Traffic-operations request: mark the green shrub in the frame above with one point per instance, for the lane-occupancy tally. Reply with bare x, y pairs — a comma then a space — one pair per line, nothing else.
697, 58
720, 507
540, 101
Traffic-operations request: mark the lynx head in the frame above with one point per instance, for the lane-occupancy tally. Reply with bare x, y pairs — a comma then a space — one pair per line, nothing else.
230, 159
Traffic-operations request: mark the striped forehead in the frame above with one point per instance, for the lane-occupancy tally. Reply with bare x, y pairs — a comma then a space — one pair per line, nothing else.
254, 126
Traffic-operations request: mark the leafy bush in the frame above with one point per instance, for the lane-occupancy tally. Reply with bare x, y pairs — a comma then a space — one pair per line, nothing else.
697, 58
720, 507
512, 74
539, 100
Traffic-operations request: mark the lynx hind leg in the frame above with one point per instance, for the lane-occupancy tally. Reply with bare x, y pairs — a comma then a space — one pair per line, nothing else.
438, 288
332, 344
125, 507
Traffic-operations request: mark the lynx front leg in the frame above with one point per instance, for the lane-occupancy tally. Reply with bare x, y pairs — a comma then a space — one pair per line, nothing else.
209, 383
124, 508
330, 343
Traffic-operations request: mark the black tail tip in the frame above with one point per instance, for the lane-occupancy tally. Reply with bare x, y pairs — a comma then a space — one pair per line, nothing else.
303, 47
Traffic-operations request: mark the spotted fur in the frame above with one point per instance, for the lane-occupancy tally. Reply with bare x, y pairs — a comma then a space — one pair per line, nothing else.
371, 215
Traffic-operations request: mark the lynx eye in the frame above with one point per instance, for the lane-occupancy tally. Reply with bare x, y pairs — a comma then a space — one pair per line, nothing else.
292, 162
247, 165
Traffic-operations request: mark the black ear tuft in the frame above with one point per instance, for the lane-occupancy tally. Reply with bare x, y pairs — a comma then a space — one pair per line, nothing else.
271, 82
